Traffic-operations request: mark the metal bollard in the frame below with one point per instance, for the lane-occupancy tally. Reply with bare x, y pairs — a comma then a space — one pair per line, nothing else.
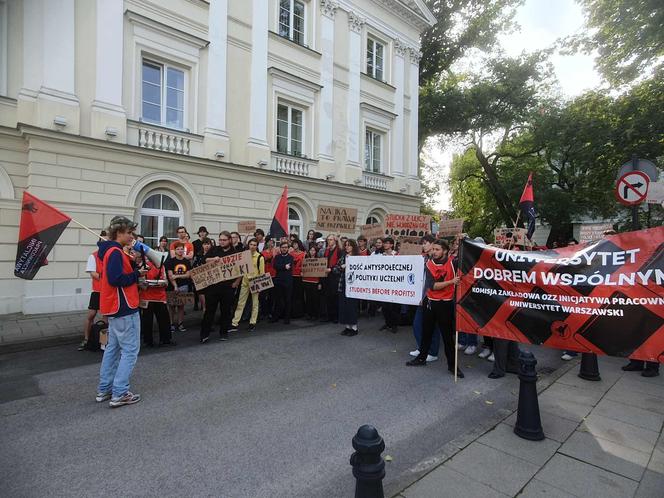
589, 369
368, 465
528, 423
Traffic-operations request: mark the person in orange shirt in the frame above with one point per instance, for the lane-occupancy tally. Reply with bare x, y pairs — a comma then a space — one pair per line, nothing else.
183, 237
93, 268
440, 282
152, 297
297, 303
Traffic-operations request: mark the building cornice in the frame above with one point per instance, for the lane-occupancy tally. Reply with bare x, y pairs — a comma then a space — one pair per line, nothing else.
169, 31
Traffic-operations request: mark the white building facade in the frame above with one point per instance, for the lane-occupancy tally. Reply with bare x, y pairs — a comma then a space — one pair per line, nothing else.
198, 112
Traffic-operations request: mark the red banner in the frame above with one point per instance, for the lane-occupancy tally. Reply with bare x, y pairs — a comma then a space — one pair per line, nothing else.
604, 297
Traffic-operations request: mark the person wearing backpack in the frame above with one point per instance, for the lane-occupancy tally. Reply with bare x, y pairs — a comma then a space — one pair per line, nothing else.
258, 268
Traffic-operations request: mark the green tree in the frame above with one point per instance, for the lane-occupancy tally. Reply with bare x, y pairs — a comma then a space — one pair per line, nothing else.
627, 35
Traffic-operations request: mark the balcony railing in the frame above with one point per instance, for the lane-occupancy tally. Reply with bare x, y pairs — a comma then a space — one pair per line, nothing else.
376, 181
293, 165
155, 137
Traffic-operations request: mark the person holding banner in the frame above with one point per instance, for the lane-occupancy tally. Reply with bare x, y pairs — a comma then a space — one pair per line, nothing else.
258, 268
312, 288
391, 311
427, 244
119, 301
438, 306
348, 307
362, 246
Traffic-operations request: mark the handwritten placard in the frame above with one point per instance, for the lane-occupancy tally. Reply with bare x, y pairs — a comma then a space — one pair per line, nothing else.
408, 224
594, 231
179, 298
410, 246
336, 219
260, 283
314, 267
515, 236
450, 228
247, 226
227, 268
373, 230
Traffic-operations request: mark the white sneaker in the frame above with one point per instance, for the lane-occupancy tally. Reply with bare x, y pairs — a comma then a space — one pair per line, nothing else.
431, 358
461, 347
485, 353
470, 350
491, 357
415, 353
566, 357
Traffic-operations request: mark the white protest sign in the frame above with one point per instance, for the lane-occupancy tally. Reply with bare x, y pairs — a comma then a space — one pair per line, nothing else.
392, 279
594, 231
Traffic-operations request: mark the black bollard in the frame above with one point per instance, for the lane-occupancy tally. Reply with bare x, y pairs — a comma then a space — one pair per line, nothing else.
589, 369
368, 465
528, 423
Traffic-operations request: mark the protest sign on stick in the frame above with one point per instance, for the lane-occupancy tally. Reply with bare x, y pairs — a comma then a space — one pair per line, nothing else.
396, 279
605, 297
373, 230
450, 228
174, 298
593, 231
407, 224
227, 268
410, 246
314, 267
336, 219
511, 236
247, 226
260, 283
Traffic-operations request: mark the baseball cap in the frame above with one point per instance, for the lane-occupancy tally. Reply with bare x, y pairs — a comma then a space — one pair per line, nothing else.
122, 221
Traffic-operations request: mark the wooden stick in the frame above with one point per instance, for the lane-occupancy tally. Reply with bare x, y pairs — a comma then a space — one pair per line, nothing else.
88, 229
515, 224
456, 356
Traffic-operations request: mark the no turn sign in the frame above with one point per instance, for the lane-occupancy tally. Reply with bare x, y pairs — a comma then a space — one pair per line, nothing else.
632, 188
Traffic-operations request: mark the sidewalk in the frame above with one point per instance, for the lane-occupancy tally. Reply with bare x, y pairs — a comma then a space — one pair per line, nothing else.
18, 331
603, 439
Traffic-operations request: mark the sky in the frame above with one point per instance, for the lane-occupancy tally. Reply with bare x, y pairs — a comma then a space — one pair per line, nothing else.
541, 23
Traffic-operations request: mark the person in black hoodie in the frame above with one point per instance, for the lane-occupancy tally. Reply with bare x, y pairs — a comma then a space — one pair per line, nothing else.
283, 284
220, 295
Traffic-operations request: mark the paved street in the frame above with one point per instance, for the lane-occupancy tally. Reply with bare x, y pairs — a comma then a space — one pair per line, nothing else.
268, 415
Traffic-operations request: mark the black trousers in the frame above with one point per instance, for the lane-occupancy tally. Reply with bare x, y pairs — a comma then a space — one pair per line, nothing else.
297, 301
506, 355
265, 303
220, 297
391, 313
331, 289
311, 299
282, 301
439, 313
160, 311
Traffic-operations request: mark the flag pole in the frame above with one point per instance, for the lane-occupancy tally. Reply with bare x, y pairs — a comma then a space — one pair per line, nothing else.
86, 228
456, 356
515, 224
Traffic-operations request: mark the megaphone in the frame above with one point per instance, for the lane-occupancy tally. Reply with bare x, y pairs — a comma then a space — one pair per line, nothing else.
156, 257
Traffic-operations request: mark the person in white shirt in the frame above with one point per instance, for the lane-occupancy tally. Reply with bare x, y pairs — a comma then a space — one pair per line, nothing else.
92, 268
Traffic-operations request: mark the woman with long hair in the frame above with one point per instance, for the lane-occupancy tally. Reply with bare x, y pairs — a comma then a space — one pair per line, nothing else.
236, 241
348, 307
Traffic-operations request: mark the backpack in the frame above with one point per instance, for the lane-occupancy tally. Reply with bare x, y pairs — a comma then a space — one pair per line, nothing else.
98, 336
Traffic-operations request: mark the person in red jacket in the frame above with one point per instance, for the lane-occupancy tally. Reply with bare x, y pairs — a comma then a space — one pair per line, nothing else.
152, 295
119, 302
441, 279
93, 268
297, 304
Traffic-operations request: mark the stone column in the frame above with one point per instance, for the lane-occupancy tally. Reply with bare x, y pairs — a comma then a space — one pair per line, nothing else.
326, 137
398, 137
353, 137
216, 136
414, 75
107, 115
258, 148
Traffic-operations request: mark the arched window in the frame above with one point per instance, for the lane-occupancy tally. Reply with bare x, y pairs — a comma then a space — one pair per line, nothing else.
295, 223
160, 214
372, 219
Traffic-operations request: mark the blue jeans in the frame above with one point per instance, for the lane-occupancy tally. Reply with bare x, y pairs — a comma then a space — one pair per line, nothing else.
124, 340
417, 332
467, 339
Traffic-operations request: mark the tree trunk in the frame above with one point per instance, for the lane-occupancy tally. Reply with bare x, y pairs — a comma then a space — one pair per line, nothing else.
503, 203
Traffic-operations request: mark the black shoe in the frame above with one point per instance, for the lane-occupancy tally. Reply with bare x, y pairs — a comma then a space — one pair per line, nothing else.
394, 329
384, 327
650, 372
344, 331
232, 329
168, 343
205, 339
352, 332
633, 366
417, 362
223, 336
459, 372
251, 328
494, 375
287, 322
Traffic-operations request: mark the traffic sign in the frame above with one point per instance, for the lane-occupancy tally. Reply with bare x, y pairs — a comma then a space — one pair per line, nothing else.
632, 188
643, 165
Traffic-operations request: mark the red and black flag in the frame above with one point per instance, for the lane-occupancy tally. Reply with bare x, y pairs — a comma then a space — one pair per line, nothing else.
279, 225
41, 227
527, 206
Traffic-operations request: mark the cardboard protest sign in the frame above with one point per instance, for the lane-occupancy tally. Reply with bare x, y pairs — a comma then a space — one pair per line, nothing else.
395, 279
227, 268
604, 297
260, 283
373, 230
314, 267
248, 226
336, 219
503, 236
179, 298
407, 224
594, 231
410, 246
450, 228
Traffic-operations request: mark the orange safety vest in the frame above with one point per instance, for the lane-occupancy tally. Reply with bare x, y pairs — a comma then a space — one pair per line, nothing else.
96, 284
109, 301
441, 273
156, 294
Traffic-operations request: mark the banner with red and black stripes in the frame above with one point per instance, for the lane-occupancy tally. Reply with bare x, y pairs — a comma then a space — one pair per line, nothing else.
604, 297
40, 228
